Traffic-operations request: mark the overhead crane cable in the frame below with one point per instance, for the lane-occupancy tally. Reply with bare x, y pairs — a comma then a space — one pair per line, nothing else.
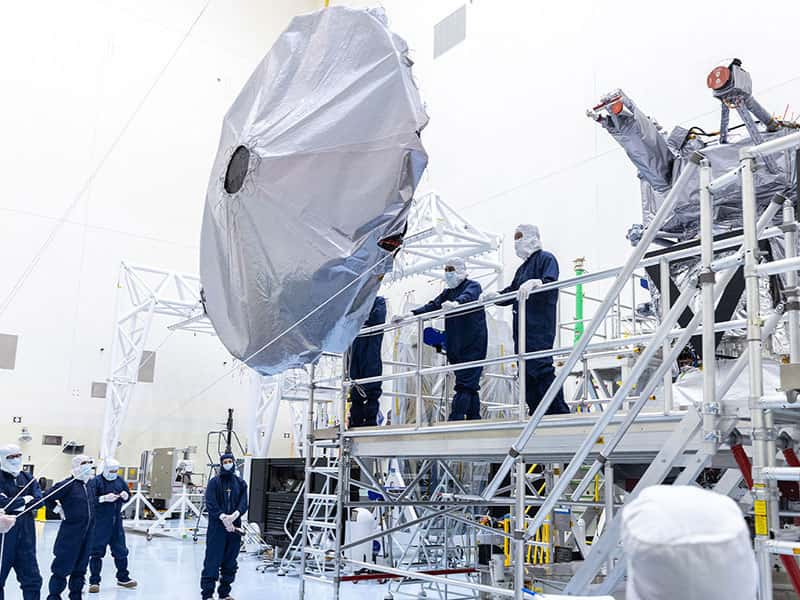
15, 289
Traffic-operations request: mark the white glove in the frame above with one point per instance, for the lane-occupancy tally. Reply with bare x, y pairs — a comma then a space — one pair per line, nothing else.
487, 296
528, 286
230, 518
57, 509
124, 496
6, 523
108, 498
27, 499
450, 305
401, 317
227, 521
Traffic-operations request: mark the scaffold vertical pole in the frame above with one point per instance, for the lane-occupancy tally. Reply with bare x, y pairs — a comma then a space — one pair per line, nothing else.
522, 404
761, 434
664, 286
308, 451
710, 405
519, 531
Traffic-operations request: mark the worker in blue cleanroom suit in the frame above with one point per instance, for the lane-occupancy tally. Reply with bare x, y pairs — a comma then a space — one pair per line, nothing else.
109, 492
365, 361
226, 501
18, 492
466, 337
538, 267
71, 550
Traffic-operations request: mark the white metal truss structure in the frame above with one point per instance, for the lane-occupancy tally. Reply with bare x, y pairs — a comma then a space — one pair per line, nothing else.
437, 233
143, 292
265, 401
556, 479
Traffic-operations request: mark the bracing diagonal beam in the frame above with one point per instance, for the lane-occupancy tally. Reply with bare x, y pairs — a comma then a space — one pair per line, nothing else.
594, 325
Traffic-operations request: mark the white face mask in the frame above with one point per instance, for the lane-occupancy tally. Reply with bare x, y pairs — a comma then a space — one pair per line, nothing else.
82, 473
451, 279
227, 466
13, 466
110, 476
525, 246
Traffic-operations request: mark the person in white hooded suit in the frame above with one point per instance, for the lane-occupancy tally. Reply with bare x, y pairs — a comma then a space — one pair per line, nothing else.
466, 336
689, 543
19, 493
71, 549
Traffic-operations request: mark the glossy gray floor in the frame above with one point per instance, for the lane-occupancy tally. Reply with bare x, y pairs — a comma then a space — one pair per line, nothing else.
170, 569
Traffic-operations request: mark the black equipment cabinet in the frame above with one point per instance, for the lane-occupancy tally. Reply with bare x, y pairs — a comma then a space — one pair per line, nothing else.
275, 484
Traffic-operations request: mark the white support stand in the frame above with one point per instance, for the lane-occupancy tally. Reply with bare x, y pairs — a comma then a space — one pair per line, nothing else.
144, 292
437, 233
264, 405
137, 500
161, 525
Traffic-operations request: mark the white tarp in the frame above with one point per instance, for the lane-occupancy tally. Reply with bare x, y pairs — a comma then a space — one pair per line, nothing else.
318, 161
688, 388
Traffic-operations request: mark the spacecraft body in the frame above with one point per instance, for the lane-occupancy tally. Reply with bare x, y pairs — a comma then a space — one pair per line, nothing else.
660, 157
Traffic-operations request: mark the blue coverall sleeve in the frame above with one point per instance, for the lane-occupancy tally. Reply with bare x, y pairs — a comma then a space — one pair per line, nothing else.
377, 316
214, 509
507, 290
243, 498
5, 501
435, 304
57, 492
122, 487
34, 490
471, 293
550, 270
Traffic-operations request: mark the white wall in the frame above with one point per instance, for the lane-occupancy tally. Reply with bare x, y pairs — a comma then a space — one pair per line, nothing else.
75, 72
507, 138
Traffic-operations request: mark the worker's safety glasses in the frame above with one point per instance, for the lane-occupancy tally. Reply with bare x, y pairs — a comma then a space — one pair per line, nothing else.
449, 269
13, 456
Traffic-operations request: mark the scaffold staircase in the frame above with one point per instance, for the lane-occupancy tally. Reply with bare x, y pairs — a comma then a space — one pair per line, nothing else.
317, 534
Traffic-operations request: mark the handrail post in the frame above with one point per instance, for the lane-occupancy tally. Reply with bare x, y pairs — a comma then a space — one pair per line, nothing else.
710, 405
420, 338
665, 348
522, 405
792, 296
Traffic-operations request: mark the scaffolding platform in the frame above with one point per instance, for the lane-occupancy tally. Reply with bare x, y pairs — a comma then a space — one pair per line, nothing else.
555, 440
554, 494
